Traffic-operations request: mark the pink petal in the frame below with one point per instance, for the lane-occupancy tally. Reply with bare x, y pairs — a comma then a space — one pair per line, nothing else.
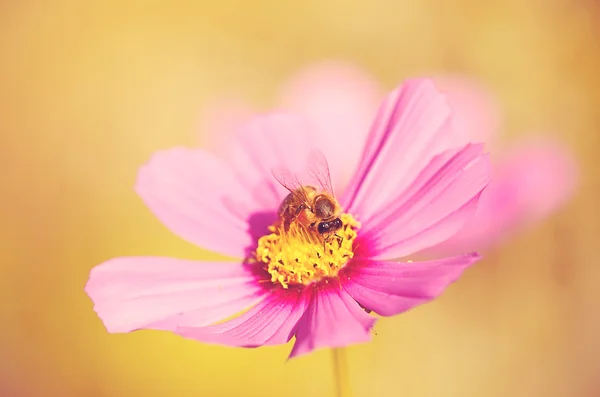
200, 198
333, 319
271, 322
133, 293
529, 184
274, 141
475, 113
433, 208
412, 126
390, 288
340, 101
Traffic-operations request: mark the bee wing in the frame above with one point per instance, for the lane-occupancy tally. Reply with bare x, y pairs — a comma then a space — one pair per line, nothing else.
290, 181
315, 173
318, 171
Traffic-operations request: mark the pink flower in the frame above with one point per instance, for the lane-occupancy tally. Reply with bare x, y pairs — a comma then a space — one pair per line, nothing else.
414, 185
531, 179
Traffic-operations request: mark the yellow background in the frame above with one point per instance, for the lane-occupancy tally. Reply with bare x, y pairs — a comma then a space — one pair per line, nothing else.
88, 90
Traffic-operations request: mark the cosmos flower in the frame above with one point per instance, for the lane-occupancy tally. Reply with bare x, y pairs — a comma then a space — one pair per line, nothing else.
532, 178
414, 187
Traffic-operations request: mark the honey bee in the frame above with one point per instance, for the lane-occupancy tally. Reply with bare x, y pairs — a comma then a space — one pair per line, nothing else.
313, 207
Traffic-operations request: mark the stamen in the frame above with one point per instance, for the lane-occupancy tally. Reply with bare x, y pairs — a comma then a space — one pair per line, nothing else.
301, 257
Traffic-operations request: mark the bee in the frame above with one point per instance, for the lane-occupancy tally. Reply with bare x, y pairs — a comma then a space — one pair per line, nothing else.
313, 207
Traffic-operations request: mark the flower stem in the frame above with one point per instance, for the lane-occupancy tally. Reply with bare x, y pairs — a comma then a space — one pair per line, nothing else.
340, 373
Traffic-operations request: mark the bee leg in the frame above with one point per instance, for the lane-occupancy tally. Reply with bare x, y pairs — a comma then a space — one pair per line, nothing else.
340, 239
300, 208
326, 239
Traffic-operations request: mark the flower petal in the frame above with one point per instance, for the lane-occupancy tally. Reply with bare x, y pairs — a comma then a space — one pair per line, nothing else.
433, 208
475, 114
277, 140
389, 288
529, 184
333, 319
271, 322
199, 197
412, 126
220, 122
133, 293
340, 101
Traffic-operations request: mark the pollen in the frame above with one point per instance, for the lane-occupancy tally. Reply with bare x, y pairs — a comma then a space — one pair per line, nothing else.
301, 257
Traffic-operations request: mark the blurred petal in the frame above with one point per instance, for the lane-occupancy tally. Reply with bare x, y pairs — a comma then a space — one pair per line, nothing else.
340, 101
220, 122
475, 113
433, 208
277, 140
390, 288
271, 322
412, 126
133, 293
529, 184
198, 197
332, 319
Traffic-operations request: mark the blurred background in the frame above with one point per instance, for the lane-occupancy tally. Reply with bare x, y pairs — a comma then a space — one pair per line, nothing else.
88, 90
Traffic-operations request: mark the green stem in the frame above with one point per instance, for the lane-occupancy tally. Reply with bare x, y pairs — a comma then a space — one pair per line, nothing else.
340, 373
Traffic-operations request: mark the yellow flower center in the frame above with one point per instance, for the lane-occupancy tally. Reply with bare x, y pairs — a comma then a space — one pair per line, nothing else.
302, 257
